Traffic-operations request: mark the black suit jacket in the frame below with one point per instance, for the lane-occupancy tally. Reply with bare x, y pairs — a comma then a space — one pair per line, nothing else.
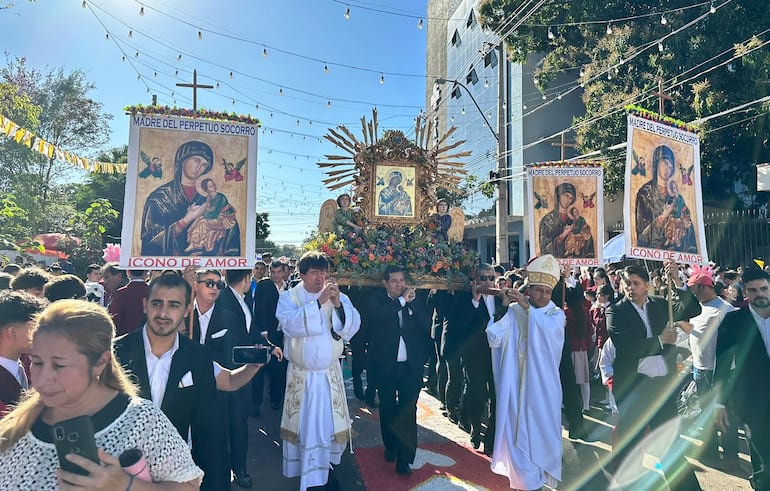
265, 302
384, 333
629, 334
739, 340
237, 332
220, 345
193, 408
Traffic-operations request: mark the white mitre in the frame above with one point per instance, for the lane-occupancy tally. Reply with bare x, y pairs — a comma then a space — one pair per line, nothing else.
544, 270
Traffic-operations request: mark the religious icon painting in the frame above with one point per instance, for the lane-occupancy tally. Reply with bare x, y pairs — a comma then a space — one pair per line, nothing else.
566, 215
395, 191
190, 194
663, 209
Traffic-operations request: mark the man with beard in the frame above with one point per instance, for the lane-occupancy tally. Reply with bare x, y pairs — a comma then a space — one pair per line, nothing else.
176, 374
743, 341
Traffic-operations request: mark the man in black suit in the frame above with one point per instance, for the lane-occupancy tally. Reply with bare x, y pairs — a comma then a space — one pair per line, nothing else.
477, 357
177, 375
265, 301
399, 340
743, 339
239, 333
645, 376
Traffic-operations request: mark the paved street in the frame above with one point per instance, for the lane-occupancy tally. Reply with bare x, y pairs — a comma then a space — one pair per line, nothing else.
446, 461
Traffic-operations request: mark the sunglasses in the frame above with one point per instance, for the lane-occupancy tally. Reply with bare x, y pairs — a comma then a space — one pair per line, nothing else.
212, 284
487, 278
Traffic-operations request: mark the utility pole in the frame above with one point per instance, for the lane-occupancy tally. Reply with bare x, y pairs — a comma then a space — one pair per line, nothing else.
501, 225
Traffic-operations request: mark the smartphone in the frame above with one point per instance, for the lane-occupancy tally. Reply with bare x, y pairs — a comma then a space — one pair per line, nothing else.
250, 354
75, 436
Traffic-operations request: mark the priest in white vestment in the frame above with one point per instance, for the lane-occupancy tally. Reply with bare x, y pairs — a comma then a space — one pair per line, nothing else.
315, 426
526, 339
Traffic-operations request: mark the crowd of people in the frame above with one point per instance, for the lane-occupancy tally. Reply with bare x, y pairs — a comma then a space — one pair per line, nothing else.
148, 356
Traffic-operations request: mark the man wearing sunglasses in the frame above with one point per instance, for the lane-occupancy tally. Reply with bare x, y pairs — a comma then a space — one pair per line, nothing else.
477, 358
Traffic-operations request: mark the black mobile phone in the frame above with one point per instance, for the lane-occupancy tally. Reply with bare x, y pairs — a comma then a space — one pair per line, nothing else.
250, 354
75, 436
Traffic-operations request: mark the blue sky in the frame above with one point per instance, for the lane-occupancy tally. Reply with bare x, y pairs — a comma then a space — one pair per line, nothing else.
378, 40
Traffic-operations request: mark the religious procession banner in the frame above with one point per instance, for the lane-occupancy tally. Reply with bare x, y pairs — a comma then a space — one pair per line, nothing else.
566, 212
190, 193
663, 209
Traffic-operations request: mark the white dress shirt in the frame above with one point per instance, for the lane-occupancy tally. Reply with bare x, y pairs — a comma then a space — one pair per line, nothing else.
652, 366
203, 321
158, 368
764, 327
244, 307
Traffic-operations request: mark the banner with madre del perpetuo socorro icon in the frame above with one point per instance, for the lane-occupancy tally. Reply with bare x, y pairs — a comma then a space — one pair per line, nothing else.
190, 193
663, 209
566, 212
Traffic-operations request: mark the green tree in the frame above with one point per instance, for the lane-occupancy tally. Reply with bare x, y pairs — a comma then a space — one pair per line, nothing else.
625, 66
111, 187
67, 117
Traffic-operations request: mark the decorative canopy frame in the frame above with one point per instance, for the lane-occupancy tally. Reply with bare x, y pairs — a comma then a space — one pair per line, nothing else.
416, 167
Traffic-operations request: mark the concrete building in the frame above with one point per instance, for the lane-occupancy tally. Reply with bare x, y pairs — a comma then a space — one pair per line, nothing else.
460, 50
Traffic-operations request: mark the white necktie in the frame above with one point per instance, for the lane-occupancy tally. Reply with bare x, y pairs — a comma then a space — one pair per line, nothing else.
22, 375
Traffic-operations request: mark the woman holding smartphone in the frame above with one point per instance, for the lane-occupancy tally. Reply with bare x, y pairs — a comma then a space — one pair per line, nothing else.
74, 373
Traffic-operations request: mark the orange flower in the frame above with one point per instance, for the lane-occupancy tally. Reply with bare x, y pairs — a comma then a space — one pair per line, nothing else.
371, 257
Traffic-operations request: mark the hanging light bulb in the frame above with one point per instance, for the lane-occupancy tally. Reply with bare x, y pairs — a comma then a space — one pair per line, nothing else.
130, 33
452, 118
179, 57
124, 58
326, 68
558, 96
233, 102
660, 46
419, 24
217, 85
264, 52
663, 19
138, 77
107, 37
155, 74
231, 75
609, 76
347, 13
271, 115
136, 55
712, 8
84, 4
328, 103
298, 122
609, 29
172, 93
176, 73
200, 35
280, 91
486, 84
382, 79
582, 72
462, 111
544, 97
148, 90
141, 10
256, 108
550, 33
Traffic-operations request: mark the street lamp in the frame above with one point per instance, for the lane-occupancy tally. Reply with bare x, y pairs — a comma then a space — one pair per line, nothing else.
441, 81
501, 225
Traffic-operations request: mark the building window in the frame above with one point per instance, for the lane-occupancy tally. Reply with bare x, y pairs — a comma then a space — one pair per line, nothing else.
456, 41
490, 59
456, 92
472, 78
471, 19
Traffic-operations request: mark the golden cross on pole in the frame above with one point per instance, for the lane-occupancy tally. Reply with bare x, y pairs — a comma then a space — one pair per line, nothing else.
662, 98
563, 145
195, 86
